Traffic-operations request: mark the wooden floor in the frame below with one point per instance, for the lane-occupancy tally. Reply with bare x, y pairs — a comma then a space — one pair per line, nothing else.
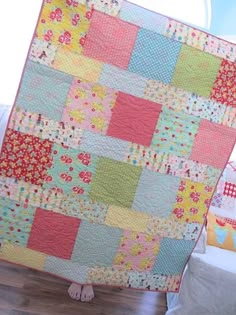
26, 292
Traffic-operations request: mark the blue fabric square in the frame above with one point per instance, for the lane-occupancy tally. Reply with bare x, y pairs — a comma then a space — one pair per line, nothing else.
156, 193
123, 80
44, 90
172, 256
104, 146
154, 56
147, 19
97, 244
66, 269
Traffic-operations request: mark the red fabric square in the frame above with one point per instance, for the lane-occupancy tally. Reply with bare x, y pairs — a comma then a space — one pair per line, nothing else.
53, 233
134, 119
110, 40
25, 157
224, 90
213, 144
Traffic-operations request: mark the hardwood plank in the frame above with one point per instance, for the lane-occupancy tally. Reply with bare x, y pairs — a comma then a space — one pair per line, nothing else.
27, 292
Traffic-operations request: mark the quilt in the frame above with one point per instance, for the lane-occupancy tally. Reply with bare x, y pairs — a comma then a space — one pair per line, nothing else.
122, 124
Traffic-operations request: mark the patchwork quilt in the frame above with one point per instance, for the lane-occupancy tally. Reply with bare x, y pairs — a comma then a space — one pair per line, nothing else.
122, 125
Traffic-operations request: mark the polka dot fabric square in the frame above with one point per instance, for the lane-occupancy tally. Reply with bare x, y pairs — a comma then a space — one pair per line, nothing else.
168, 261
89, 106
143, 114
154, 56
117, 38
53, 233
25, 157
224, 90
196, 71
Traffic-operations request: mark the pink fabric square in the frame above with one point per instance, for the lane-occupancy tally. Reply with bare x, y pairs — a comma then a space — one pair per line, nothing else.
110, 40
134, 119
89, 106
53, 233
137, 251
213, 144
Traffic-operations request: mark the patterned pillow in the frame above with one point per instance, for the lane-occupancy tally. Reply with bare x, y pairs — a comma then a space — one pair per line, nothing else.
221, 232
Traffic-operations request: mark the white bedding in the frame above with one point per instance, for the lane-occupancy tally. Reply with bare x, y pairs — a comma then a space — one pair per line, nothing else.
208, 286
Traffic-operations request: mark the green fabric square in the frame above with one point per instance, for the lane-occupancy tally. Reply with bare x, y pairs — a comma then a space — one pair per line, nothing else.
115, 182
196, 71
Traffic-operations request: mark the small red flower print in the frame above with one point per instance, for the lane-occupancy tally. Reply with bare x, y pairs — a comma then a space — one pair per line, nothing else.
72, 3
88, 15
56, 15
195, 196
48, 35
85, 176
84, 158
179, 199
182, 186
65, 38
82, 40
68, 179
48, 178
75, 19
179, 212
207, 203
78, 190
194, 210
63, 176
66, 159
208, 188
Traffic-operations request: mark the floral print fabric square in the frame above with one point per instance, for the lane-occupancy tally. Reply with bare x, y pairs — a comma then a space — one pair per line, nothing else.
65, 25
89, 106
71, 171
224, 90
137, 251
192, 202
25, 157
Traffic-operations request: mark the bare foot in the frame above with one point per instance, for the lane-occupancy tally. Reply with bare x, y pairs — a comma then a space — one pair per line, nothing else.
75, 291
87, 293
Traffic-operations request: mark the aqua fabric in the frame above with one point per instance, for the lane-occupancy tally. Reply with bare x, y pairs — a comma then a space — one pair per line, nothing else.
154, 56
172, 256
65, 176
44, 89
104, 146
15, 221
123, 80
156, 193
66, 269
97, 243
135, 14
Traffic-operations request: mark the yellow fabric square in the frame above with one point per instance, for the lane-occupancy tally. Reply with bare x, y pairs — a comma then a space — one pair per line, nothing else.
22, 256
221, 232
77, 65
192, 201
127, 219
64, 25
